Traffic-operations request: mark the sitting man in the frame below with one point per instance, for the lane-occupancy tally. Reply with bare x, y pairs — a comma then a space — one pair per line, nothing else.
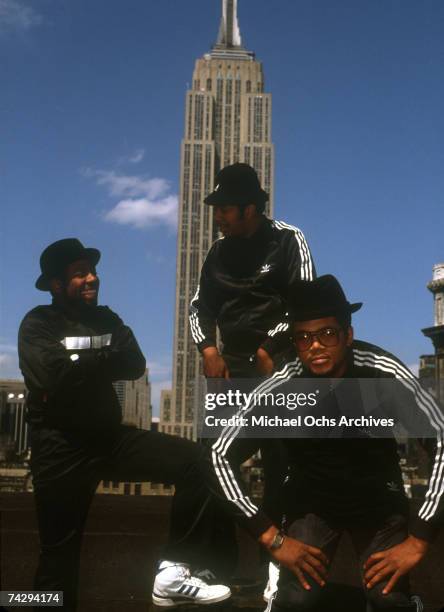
335, 484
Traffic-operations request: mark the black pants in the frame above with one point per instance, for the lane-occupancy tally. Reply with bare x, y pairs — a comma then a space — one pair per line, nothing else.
66, 469
211, 537
368, 536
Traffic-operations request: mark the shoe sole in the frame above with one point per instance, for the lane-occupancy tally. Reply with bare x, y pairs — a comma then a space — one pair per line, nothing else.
165, 602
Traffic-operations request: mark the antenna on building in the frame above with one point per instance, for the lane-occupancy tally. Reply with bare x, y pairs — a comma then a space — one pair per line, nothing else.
229, 33
229, 41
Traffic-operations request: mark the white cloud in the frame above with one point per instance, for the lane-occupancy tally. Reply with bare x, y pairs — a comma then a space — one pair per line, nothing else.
15, 15
159, 259
158, 369
144, 212
139, 154
146, 201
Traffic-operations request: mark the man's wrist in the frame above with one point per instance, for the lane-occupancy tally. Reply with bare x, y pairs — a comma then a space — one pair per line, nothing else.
267, 538
420, 544
278, 540
210, 351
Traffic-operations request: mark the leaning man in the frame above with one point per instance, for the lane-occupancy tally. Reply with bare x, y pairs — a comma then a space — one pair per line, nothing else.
70, 353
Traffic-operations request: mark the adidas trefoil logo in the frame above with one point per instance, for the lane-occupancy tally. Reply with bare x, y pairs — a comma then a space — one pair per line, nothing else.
392, 486
265, 268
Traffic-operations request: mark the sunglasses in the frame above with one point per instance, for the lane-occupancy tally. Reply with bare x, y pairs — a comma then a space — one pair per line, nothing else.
327, 336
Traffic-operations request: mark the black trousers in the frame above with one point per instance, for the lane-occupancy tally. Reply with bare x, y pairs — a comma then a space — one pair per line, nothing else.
66, 469
368, 536
211, 537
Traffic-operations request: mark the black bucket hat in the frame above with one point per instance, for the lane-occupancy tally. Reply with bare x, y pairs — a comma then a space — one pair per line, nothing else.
322, 297
237, 184
60, 254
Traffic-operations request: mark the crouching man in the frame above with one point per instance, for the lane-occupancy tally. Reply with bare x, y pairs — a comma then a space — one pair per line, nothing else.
351, 483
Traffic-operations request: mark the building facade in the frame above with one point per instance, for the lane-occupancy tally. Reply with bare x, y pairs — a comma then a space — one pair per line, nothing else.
13, 426
165, 415
135, 400
14, 445
227, 119
435, 363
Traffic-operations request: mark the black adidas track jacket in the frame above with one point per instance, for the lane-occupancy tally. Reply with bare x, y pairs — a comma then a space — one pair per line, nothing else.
344, 479
243, 286
69, 363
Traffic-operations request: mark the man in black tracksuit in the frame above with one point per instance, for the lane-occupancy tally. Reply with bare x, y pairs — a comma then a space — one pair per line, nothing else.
353, 483
245, 280
70, 353
242, 292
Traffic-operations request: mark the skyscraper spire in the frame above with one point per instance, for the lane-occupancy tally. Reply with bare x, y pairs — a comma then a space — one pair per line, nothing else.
229, 33
228, 120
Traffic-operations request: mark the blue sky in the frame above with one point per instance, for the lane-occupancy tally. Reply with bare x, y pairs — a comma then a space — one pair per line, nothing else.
91, 120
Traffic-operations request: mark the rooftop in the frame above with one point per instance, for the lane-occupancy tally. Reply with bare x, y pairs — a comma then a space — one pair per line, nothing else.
123, 540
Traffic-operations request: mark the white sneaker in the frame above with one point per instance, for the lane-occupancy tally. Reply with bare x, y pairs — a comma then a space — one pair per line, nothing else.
174, 585
272, 584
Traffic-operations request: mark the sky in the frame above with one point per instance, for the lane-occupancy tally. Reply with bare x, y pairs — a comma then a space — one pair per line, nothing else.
91, 119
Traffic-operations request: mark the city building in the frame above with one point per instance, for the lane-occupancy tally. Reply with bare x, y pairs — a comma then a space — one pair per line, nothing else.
14, 451
435, 363
135, 400
165, 415
227, 119
426, 372
13, 426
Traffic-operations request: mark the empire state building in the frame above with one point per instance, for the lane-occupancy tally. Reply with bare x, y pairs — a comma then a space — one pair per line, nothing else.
227, 119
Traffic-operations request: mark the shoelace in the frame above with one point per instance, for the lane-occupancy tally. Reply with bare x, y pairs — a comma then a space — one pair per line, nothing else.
193, 580
205, 574
186, 575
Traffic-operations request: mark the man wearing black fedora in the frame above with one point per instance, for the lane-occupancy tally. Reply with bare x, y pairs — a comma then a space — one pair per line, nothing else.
242, 293
245, 279
70, 353
349, 482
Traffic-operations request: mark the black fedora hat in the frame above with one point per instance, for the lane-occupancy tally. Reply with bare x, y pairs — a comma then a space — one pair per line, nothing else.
60, 254
322, 297
237, 184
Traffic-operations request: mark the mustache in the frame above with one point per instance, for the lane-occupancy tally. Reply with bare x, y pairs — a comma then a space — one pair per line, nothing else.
93, 285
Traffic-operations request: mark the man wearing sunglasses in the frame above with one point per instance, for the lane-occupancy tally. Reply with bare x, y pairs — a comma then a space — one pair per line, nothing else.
352, 483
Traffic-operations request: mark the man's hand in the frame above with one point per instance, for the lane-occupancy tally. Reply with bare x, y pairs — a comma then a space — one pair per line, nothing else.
394, 562
264, 362
299, 558
213, 364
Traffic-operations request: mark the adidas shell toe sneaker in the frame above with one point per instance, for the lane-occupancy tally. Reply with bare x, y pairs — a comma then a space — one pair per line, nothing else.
174, 585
